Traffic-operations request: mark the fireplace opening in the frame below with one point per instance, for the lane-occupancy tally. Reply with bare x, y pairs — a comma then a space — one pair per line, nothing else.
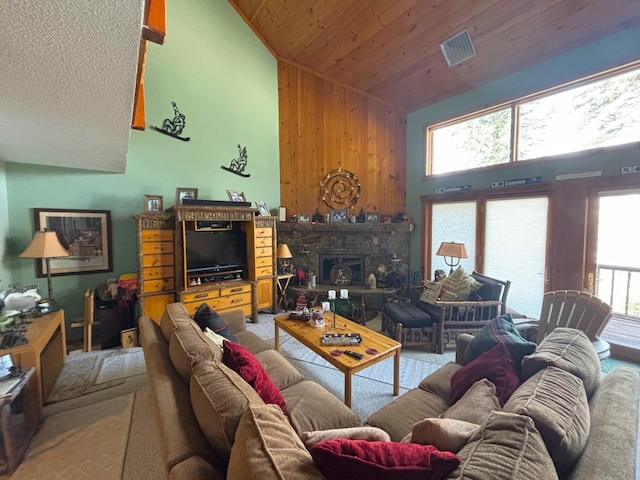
342, 269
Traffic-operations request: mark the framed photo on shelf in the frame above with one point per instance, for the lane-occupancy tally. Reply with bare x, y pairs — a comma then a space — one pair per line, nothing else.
85, 234
186, 194
386, 219
262, 209
339, 216
304, 217
236, 196
373, 217
152, 204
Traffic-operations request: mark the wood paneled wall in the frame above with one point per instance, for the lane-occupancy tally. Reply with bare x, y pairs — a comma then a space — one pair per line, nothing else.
324, 126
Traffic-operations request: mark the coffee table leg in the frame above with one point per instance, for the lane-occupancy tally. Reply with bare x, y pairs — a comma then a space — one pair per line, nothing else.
396, 373
276, 337
347, 389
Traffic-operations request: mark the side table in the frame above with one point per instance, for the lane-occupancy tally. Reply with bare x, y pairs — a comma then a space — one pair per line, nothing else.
283, 284
18, 420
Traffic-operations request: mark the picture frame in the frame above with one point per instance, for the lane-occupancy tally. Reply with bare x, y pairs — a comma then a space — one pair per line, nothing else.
236, 196
262, 209
372, 217
387, 219
129, 338
304, 217
186, 193
85, 234
339, 216
153, 204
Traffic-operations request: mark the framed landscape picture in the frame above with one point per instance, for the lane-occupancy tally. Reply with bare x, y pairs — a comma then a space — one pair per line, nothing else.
85, 234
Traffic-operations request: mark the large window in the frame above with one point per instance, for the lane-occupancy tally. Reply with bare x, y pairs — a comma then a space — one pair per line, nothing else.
595, 113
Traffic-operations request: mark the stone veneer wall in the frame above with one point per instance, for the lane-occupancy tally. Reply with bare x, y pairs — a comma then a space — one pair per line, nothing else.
377, 241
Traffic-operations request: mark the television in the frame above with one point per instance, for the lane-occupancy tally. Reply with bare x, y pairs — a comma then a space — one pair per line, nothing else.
209, 250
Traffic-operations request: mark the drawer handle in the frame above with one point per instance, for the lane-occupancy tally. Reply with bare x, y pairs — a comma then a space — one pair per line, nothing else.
236, 300
239, 289
201, 295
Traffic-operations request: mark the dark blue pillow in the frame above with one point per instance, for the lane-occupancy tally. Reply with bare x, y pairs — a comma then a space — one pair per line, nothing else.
500, 330
206, 316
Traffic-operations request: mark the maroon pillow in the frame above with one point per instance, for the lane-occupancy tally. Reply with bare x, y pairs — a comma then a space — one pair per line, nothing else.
342, 458
241, 360
496, 365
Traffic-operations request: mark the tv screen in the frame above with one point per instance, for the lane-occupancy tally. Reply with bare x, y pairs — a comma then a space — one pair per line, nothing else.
211, 249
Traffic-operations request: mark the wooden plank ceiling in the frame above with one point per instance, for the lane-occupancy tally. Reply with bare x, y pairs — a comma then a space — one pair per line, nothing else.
390, 49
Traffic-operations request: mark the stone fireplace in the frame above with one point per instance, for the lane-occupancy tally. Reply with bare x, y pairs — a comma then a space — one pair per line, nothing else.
347, 269
363, 247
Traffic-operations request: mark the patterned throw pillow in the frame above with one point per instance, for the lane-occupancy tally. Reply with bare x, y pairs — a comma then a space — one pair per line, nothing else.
461, 284
500, 329
206, 316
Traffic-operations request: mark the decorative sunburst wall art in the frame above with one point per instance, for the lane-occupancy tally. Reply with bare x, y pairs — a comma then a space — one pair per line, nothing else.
340, 188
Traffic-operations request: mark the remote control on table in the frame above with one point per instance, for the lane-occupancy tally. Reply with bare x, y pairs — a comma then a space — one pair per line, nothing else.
353, 354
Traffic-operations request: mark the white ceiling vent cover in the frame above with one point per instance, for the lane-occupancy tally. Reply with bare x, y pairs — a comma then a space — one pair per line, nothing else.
458, 48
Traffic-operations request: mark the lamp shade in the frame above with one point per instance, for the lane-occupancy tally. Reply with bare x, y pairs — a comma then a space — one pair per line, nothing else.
452, 249
283, 251
45, 244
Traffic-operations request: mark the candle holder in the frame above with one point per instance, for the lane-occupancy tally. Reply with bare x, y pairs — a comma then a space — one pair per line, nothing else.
344, 295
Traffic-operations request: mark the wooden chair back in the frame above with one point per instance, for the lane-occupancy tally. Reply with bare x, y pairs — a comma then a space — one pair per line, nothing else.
573, 309
88, 319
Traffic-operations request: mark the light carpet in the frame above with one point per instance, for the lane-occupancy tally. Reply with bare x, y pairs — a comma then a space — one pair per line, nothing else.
89, 372
86, 442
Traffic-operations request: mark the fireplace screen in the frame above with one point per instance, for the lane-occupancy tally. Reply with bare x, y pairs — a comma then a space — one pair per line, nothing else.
341, 269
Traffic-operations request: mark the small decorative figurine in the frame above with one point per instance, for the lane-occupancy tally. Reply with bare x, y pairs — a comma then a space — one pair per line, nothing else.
439, 275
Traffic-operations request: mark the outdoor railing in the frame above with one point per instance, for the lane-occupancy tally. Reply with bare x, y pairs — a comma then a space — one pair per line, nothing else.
620, 288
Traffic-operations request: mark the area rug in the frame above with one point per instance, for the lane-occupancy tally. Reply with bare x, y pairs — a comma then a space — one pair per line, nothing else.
89, 372
88, 442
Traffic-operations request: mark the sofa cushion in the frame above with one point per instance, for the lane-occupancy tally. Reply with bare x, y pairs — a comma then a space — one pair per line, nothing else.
219, 398
557, 403
340, 459
568, 349
242, 361
278, 368
253, 342
206, 316
187, 346
371, 434
446, 434
500, 329
489, 290
506, 446
174, 314
439, 382
476, 404
312, 407
461, 284
415, 405
496, 365
267, 447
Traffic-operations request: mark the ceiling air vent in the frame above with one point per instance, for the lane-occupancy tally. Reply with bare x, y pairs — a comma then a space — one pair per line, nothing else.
458, 48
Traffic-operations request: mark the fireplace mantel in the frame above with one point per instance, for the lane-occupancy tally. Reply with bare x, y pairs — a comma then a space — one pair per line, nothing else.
345, 227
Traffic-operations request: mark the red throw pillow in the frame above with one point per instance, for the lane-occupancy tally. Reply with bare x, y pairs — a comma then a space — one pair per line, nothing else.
496, 365
241, 360
343, 458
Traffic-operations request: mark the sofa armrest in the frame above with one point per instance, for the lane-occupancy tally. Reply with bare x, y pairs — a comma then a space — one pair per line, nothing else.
462, 342
235, 320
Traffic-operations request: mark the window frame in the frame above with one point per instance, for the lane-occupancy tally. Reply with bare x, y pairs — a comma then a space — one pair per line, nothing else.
515, 105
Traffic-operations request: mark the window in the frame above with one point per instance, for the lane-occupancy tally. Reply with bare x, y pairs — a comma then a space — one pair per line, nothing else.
596, 113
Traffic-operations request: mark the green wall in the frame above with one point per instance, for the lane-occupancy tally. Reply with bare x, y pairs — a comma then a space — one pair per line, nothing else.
225, 82
610, 52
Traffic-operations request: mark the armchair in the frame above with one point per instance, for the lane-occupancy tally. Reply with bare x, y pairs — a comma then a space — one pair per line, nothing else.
467, 316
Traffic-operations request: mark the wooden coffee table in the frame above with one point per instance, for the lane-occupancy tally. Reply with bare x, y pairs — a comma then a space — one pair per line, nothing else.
312, 338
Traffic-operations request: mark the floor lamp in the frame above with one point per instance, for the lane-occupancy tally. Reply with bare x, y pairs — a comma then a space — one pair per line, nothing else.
45, 245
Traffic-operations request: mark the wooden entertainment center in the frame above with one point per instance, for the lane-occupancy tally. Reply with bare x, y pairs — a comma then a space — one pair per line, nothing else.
222, 255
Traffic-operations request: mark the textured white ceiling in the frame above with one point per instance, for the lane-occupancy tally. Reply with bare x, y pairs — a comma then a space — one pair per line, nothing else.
67, 81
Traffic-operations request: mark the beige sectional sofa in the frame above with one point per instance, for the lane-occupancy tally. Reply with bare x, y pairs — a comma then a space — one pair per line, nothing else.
199, 402
213, 425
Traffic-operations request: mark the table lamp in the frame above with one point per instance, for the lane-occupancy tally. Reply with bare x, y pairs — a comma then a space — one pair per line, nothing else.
284, 254
455, 251
45, 244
